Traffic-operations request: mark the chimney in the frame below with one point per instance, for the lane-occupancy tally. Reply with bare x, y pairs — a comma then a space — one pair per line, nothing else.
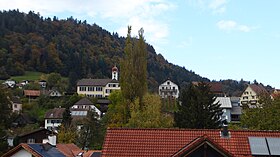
225, 133
52, 140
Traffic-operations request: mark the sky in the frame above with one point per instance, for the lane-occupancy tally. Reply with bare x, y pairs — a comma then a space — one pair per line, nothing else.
217, 39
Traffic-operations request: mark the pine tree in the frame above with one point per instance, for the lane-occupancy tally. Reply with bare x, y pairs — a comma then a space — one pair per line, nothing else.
197, 108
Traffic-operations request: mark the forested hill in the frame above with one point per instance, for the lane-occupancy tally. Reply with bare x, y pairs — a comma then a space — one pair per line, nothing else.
73, 48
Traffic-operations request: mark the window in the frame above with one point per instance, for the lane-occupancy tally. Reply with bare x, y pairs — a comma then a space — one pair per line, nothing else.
173, 88
168, 83
98, 88
90, 88
98, 96
31, 140
82, 88
108, 91
15, 105
48, 121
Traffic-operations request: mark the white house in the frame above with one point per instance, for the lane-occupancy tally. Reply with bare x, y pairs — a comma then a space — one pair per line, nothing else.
251, 95
85, 103
10, 83
225, 106
99, 88
53, 118
168, 89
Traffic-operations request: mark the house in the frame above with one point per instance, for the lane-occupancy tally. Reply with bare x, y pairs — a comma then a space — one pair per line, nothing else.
53, 118
168, 89
216, 88
236, 109
50, 150
99, 88
85, 103
10, 83
275, 94
225, 106
250, 97
32, 94
22, 119
16, 104
36, 136
190, 142
43, 83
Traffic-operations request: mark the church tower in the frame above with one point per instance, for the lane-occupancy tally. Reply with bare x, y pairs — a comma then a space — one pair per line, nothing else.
115, 72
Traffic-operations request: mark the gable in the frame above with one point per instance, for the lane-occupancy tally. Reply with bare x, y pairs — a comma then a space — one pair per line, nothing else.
202, 146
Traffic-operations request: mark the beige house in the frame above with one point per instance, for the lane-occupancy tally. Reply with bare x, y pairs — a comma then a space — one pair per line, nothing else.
251, 95
99, 88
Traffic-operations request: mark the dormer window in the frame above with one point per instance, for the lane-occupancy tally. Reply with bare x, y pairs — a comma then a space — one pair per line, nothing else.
168, 83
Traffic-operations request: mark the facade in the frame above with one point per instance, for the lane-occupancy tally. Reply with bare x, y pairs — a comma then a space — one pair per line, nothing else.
250, 96
36, 136
10, 83
190, 142
225, 106
53, 118
168, 89
85, 104
99, 88
16, 104
236, 109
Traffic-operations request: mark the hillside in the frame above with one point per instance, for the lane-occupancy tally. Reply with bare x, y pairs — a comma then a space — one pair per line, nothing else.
73, 48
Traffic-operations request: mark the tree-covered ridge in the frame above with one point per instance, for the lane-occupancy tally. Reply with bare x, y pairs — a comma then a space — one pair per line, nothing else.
73, 48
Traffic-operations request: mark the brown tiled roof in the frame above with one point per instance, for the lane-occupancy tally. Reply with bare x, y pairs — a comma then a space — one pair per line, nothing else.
216, 87
32, 92
259, 89
84, 101
55, 113
95, 82
166, 142
71, 150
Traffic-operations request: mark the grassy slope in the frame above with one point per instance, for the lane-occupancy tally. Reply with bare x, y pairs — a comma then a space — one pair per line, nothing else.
29, 75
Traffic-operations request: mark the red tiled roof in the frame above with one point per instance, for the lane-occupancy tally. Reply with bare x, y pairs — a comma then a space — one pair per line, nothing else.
166, 142
216, 87
32, 92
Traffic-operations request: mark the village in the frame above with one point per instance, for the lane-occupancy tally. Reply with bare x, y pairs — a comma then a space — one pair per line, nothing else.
43, 140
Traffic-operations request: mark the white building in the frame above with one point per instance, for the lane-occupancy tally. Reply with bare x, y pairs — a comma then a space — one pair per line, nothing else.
84, 104
252, 94
168, 89
99, 88
225, 106
53, 118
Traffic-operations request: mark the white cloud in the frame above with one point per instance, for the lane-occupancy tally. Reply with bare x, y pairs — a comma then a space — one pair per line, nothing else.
215, 6
230, 25
186, 43
137, 13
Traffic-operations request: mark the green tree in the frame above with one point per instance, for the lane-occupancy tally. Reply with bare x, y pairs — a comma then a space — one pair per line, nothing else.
118, 113
53, 80
90, 136
197, 108
5, 113
134, 68
67, 134
263, 118
151, 115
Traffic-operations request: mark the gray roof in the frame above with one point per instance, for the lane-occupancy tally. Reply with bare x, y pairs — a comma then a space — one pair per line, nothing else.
84, 101
46, 150
224, 101
95, 82
55, 113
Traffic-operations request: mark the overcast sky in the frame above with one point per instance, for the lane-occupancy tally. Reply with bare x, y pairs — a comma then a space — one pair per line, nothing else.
218, 39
